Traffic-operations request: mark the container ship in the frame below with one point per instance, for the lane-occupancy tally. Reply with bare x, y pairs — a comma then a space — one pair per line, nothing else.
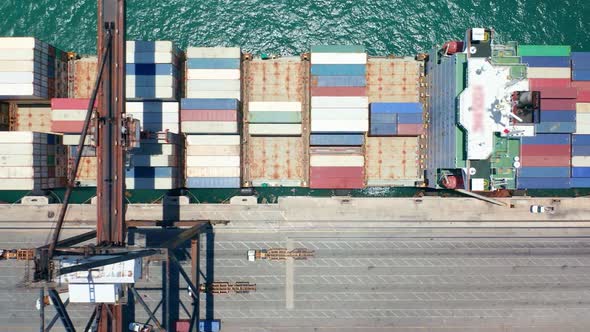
469, 115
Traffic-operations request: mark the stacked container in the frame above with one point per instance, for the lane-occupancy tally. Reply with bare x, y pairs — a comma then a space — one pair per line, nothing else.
209, 116
580, 161
31, 161
336, 168
546, 61
396, 119
580, 66
274, 118
213, 72
67, 117
545, 162
155, 164
212, 161
583, 118
31, 69
557, 116
152, 70
155, 115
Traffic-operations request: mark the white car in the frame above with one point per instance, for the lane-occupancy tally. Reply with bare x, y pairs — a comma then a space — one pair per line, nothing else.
541, 209
251, 255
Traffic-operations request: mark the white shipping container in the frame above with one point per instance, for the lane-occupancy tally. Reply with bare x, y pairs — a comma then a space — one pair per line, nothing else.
23, 172
22, 137
22, 160
159, 46
151, 106
155, 183
581, 161
213, 172
214, 94
68, 115
75, 139
210, 127
20, 89
213, 85
164, 92
330, 126
549, 72
22, 184
582, 123
337, 161
355, 114
338, 58
283, 129
214, 52
274, 106
95, 293
155, 80
210, 140
155, 149
19, 43
213, 74
20, 66
582, 108
167, 117
150, 57
22, 149
154, 161
213, 150
339, 102
20, 54
15, 77
213, 161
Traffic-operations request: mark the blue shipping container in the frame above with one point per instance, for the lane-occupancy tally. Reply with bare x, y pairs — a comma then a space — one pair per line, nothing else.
151, 172
580, 150
580, 183
208, 104
150, 69
581, 75
580, 60
149, 92
144, 57
580, 139
210, 325
337, 140
413, 118
350, 81
558, 116
546, 61
204, 63
382, 129
543, 183
338, 70
143, 46
213, 182
543, 139
544, 172
383, 118
581, 172
396, 107
555, 127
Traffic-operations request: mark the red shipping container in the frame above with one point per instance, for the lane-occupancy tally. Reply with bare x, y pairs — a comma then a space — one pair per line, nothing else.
581, 84
558, 93
537, 83
337, 172
558, 104
583, 96
343, 91
410, 129
545, 150
336, 183
208, 115
542, 161
69, 104
68, 127
183, 325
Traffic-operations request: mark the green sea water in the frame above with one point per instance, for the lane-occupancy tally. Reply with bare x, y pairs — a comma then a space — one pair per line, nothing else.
401, 27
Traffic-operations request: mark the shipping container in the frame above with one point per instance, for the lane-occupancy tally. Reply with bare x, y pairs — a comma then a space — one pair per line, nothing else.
209, 115
213, 74
151, 172
338, 70
537, 83
337, 161
275, 129
581, 75
212, 150
214, 94
383, 129
544, 172
415, 118
275, 160
356, 114
580, 60
545, 150
213, 63
544, 50
337, 49
151, 57
212, 172
581, 172
380, 118
581, 150
154, 161
581, 161
558, 104
543, 183
555, 127
261, 106
336, 183
214, 52
337, 139
553, 72
405, 129
144, 46
212, 140
546, 61
151, 69
338, 58
336, 81
209, 127
339, 102
337, 172
155, 149
547, 161
339, 91
208, 104
558, 116
210, 161
583, 95
142, 81
331, 126
557, 93
580, 182
580, 140
229, 182
400, 108
549, 139
151, 183
213, 85
69, 127
274, 117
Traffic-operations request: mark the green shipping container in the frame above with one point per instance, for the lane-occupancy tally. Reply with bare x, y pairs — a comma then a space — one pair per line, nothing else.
338, 49
274, 117
51, 160
544, 50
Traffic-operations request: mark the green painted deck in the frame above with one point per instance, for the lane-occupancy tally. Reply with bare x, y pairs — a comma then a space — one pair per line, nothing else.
502, 160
